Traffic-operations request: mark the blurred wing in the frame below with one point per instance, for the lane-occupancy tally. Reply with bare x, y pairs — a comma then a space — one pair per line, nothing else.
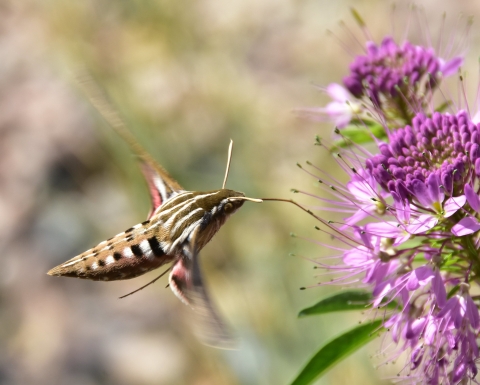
187, 284
160, 184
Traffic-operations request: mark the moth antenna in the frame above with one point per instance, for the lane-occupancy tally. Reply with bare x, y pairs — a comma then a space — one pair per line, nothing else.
100, 101
230, 148
148, 284
256, 200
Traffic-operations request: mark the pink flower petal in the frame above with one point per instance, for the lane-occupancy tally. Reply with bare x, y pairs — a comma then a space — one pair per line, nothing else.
362, 213
430, 332
438, 287
460, 312
402, 208
452, 205
357, 257
472, 313
361, 190
466, 226
404, 238
338, 92
419, 277
380, 292
433, 187
476, 118
472, 197
422, 224
415, 327
421, 193
451, 67
384, 229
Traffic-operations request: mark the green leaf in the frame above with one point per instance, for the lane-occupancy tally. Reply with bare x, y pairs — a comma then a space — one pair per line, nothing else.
347, 300
344, 301
359, 134
453, 291
336, 350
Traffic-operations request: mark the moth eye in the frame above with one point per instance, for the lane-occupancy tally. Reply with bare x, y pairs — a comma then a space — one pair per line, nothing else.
228, 208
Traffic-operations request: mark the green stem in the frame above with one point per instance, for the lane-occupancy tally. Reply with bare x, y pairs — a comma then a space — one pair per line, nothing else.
469, 245
404, 110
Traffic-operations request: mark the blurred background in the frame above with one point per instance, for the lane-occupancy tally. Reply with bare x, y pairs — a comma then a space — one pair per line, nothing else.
187, 76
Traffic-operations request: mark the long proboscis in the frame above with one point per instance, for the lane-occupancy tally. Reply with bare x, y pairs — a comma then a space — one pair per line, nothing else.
309, 212
256, 200
294, 203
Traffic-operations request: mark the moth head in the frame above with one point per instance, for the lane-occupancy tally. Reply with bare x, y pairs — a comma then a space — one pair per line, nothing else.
230, 203
224, 202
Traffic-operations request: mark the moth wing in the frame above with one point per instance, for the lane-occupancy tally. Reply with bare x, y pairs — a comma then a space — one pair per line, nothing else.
187, 284
161, 185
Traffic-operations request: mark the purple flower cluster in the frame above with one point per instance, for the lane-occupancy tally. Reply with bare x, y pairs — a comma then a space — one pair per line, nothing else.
410, 232
389, 68
390, 80
445, 145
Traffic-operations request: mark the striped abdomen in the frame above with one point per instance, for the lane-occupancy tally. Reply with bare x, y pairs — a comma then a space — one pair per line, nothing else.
127, 255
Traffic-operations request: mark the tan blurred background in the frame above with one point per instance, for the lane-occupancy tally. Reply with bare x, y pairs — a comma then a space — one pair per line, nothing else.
188, 76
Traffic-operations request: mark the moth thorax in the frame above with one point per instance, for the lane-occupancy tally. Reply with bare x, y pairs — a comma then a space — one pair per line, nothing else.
218, 208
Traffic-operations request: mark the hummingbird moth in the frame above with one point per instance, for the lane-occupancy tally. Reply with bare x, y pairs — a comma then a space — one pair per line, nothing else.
178, 226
